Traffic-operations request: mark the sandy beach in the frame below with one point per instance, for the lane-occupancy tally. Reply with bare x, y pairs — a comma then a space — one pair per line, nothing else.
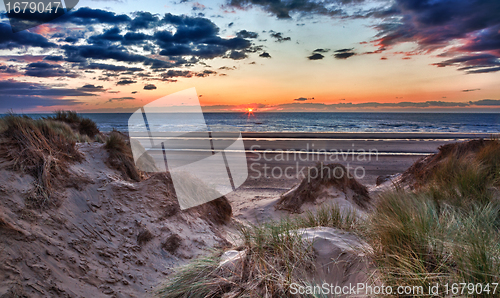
376, 154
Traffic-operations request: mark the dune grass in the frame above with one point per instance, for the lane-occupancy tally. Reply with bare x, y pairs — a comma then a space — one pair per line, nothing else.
446, 230
42, 148
120, 155
275, 257
83, 126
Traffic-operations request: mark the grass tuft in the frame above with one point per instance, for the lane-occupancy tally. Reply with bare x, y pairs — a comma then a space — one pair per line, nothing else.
275, 257
120, 155
42, 148
82, 125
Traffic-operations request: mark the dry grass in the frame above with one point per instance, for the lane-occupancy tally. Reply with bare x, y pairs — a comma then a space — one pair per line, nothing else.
42, 148
329, 175
120, 155
448, 230
84, 126
275, 258
445, 231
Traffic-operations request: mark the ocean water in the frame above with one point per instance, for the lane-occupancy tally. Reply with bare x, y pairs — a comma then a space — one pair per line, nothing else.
318, 122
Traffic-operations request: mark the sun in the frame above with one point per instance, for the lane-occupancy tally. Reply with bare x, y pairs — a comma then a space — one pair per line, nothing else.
249, 111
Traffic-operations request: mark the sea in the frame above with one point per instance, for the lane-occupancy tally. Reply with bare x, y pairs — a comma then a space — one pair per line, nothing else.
315, 122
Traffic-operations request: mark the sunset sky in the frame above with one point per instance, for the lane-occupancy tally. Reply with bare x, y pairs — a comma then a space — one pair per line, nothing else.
270, 55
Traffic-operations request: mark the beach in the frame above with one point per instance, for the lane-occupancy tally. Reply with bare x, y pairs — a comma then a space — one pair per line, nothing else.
269, 155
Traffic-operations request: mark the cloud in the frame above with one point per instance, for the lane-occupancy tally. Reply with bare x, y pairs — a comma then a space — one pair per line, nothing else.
284, 9
247, 34
47, 70
125, 82
486, 102
265, 55
149, 87
300, 104
144, 20
121, 98
470, 90
91, 88
110, 67
9, 40
10, 69
316, 56
55, 58
88, 16
321, 51
198, 37
279, 36
171, 73
237, 55
467, 31
25, 95
205, 73
344, 53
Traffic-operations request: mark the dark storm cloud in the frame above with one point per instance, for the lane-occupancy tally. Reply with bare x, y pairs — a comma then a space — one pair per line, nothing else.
265, 55
9, 40
316, 56
149, 87
283, 9
434, 24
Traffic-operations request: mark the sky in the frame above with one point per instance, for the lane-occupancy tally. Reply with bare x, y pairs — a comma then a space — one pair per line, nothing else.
265, 55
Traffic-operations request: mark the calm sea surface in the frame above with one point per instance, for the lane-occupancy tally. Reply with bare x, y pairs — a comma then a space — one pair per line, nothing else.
320, 122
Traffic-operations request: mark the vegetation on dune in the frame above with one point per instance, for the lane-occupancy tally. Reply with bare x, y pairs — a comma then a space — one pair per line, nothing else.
42, 148
120, 155
448, 229
84, 126
445, 230
275, 257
